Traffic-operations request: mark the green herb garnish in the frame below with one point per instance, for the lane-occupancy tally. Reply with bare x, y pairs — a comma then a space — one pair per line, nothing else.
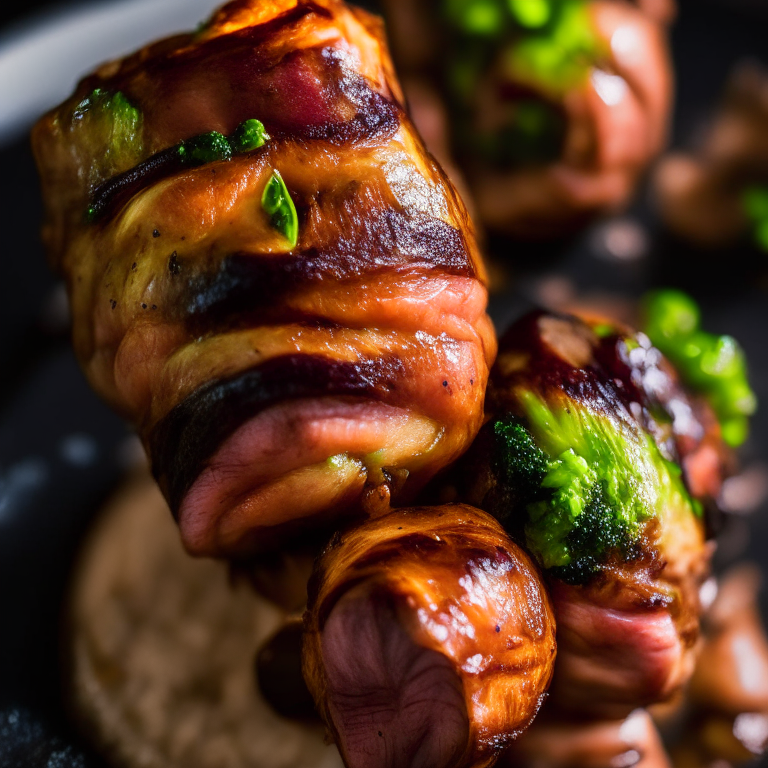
107, 129
549, 44
561, 56
713, 365
214, 146
249, 135
476, 17
199, 150
205, 148
544, 46
277, 203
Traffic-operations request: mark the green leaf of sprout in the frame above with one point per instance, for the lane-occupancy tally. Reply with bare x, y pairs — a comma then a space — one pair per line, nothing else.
587, 483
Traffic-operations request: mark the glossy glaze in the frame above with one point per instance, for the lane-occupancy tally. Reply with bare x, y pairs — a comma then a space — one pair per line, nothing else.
429, 639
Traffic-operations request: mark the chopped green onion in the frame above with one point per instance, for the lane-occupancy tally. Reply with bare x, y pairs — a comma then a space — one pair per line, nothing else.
671, 314
249, 135
277, 203
205, 148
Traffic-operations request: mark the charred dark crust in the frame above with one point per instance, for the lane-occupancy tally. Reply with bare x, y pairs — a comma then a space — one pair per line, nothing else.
541, 369
647, 391
110, 196
115, 192
374, 115
252, 287
185, 439
165, 55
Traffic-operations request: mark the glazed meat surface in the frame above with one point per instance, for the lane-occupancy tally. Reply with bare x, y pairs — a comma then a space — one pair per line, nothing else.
269, 275
552, 119
429, 639
585, 460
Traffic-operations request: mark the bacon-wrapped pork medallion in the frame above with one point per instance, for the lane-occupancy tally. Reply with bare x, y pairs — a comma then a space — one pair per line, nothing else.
429, 639
556, 106
597, 459
269, 275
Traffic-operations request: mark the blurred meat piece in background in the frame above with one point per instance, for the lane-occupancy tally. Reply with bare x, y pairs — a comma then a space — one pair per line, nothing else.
554, 107
630, 743
717, 194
